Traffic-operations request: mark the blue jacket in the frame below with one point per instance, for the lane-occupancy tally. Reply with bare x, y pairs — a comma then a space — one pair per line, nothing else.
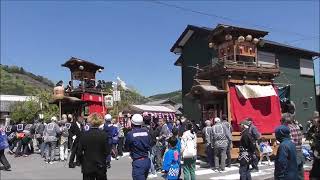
3, 140
286, 166
108, 128
171, 160
138, 143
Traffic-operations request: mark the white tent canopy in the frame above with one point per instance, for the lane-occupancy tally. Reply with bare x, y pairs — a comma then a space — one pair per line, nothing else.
150, 108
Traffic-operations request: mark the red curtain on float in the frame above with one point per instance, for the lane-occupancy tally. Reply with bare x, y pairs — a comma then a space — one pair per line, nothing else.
264, 111
95, 108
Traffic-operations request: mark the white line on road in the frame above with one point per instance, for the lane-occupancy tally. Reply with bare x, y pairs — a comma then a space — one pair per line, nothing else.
210, 171
237, 175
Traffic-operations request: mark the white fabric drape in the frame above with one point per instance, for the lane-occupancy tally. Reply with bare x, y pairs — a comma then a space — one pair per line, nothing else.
255, 91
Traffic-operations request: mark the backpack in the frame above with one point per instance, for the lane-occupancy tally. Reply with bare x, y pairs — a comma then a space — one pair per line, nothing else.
67, 125
65, 131
20, 127
50, 134
190, 150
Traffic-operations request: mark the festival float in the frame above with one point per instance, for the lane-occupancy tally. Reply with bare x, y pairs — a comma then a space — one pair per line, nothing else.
237, 84
83, 95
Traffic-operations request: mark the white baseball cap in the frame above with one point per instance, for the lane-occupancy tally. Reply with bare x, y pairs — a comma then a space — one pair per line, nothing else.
217, 119
137, 119
108, 117
53, 118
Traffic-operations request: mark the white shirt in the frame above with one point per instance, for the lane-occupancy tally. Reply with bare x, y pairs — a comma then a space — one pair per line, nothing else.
78, 124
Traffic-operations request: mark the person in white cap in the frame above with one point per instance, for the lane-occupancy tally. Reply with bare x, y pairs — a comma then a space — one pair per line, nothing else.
50, 139
221, 136
138, 143
108, 128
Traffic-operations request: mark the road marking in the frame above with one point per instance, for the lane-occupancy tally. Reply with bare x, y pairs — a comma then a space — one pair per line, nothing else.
210, 171
237, 175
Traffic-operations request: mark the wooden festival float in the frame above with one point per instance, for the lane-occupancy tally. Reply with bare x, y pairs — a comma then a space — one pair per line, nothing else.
236, 84
83, 95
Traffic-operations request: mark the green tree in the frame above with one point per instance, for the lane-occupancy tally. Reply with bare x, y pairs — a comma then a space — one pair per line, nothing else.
30, 110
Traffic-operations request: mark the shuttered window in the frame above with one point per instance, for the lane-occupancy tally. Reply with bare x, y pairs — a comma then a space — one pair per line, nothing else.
306, 67
266, 58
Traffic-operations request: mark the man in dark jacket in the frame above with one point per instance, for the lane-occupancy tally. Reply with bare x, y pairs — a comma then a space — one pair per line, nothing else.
108, 128
256, 135
75, 132
247, 148
296, 137
93, 150
286, 167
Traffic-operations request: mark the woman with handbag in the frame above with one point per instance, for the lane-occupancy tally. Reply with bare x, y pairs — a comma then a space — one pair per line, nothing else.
3, 145
189, 152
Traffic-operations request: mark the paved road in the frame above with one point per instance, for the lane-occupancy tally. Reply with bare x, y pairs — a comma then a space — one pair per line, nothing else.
34, 168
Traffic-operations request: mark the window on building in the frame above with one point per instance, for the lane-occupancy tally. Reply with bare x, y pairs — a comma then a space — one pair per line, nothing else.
266, 58
306, 67
305, 105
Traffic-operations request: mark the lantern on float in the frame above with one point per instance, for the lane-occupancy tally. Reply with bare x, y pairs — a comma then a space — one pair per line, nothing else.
255, 40
58, 92
261, 43
248, 37
228, 37
240, 39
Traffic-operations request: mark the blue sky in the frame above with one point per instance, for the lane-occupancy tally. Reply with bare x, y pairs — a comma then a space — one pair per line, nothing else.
132, 39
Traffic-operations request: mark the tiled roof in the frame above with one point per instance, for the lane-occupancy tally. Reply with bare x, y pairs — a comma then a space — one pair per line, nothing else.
5, 105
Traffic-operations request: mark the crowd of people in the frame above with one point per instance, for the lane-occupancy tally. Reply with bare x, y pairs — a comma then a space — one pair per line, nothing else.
161, 145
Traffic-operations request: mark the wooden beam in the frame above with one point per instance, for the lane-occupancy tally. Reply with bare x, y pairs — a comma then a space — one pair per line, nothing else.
238, 81
228, 100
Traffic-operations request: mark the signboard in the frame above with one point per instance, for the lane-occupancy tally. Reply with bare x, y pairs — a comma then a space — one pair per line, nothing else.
108, 101
116, 96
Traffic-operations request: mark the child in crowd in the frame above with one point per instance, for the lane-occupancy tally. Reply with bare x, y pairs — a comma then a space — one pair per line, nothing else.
265, 150
175, 133
171, 160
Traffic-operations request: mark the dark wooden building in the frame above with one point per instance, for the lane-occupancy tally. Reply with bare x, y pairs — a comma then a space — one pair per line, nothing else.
240, 55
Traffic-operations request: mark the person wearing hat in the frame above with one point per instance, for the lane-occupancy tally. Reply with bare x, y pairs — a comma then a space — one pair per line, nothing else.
138, 143
50, 139
246, 148
93, 150
206, 131
108, 128
286, 166
221, 136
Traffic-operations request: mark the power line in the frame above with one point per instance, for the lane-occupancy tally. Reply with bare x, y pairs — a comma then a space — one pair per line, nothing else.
227, 18
304, 39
